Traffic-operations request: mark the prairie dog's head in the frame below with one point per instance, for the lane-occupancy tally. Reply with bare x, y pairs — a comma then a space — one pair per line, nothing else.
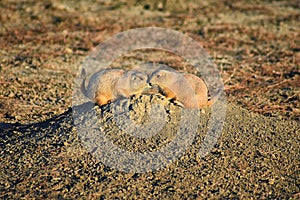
132, 82
138, 80
164, 78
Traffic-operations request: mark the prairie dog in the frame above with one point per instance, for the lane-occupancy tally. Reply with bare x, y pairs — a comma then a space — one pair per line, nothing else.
111, 84
188, 89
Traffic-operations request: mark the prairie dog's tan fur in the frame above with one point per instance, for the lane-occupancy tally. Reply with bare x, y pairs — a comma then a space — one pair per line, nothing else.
186, 88
111, 84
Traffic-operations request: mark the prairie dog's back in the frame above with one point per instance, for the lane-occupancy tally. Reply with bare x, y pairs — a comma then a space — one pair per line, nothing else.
199, 87
103, 82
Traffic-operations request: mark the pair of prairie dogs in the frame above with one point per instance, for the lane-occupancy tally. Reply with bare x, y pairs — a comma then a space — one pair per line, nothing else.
112, 84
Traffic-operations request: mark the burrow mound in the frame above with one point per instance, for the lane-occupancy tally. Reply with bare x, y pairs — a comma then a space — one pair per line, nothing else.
142, 123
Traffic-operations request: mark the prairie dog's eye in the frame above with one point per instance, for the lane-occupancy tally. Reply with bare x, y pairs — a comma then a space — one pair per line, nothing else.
137, 78
133, 77
158, 76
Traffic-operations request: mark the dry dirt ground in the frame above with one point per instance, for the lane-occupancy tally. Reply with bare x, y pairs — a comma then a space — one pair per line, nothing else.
256, 47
